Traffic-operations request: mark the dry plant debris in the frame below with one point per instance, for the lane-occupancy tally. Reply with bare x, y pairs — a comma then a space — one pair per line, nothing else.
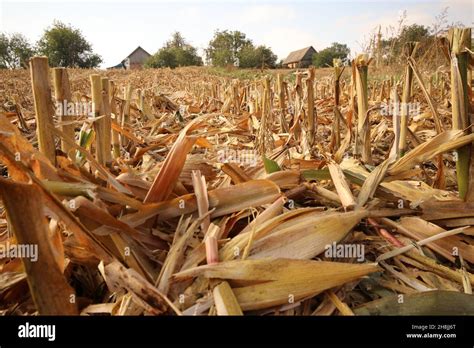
182, 192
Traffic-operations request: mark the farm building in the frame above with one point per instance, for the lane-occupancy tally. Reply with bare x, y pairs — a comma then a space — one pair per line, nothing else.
300, 59
134, 60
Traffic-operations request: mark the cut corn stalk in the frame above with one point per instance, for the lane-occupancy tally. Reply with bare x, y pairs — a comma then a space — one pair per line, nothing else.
409, 50
62, 94
50, 291
460, 40
363, 125
43, 106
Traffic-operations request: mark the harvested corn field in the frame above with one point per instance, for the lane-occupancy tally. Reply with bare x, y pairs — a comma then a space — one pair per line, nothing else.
336, 191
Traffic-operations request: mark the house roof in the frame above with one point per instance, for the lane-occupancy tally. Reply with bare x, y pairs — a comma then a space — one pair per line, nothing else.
136, 49
298, 55
121, 64
118, 66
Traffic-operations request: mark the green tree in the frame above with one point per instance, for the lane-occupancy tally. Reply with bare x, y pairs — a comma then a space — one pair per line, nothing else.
176, 52
15, 51
4, 57
187, 56
266, 57
325, 57
393, 46
414, 32
257, 57
162, 59
226, 46
248, 57
66, 46
229, 47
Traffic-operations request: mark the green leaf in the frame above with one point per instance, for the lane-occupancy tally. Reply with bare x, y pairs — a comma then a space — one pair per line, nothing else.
85, 140
270, 165
316, 174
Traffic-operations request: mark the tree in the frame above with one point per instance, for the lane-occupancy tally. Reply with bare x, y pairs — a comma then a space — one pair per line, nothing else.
177, 40
226, 46
255, 57
266, 57
325, 57
393, 46
65, 46
176, 52
247, 57
5, 56
15, 51
162, 59
414, 32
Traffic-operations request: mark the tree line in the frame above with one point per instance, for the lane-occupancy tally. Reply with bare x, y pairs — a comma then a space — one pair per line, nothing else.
66, 46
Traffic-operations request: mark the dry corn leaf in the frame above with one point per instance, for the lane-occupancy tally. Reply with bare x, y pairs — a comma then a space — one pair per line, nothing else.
225, 301
118, 277
371, 183
225, 201
443, 142
303, 236
167, 177
448, 246
279, 280
342, 187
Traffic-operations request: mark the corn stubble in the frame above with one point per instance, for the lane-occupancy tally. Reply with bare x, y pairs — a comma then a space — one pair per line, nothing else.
194, 193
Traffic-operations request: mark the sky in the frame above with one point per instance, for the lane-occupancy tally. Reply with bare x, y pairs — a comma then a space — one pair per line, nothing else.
116, 28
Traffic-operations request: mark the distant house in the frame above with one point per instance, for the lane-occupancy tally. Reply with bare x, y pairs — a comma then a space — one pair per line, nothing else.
134, 60
300, 59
